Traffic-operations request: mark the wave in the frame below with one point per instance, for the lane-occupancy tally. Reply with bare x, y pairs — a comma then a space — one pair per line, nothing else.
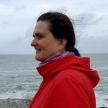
17, 95
101, 100
14, 103
101, 68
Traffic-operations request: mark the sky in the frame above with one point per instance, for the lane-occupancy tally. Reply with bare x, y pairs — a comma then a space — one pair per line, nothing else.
18, 18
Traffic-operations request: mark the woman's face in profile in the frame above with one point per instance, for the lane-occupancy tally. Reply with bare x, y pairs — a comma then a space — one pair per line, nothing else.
44, 42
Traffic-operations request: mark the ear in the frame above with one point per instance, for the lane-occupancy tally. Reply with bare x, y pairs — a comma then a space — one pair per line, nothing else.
62, 42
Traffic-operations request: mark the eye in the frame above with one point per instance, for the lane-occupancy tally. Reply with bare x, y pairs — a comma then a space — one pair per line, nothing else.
38, 36
34, 35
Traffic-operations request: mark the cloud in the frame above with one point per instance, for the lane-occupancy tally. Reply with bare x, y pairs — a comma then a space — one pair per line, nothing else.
91, 25
88, 18
18, 17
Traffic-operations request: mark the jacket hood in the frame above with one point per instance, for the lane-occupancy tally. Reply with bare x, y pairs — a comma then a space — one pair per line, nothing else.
82, 64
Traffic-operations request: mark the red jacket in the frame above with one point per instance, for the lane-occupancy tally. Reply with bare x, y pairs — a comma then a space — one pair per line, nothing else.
67, 83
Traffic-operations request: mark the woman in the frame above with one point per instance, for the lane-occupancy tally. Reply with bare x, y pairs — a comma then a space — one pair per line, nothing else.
68, 81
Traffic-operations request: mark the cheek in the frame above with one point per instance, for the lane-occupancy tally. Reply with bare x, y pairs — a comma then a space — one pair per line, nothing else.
52, 47
45, 44
49, 45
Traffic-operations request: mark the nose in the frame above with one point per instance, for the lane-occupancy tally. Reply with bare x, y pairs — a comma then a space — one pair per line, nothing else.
34, 42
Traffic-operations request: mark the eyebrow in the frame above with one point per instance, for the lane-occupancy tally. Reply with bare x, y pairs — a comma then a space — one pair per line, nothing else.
37, 34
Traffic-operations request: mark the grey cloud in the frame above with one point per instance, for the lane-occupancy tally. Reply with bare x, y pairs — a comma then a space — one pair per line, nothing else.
85, 19
5, 23
19, 8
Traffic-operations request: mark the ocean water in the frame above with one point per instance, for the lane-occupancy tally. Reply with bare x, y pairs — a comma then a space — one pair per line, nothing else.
100, 63
19, 79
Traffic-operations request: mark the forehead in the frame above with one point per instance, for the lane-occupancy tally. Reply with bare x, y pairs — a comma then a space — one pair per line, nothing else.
41, 27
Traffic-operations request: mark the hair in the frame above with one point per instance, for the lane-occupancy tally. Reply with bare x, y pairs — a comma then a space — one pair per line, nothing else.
61, 27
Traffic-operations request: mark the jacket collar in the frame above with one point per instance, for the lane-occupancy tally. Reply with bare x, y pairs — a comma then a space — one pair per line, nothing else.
53, 67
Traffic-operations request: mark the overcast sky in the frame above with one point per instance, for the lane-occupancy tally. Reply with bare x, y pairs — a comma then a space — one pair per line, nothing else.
18, 18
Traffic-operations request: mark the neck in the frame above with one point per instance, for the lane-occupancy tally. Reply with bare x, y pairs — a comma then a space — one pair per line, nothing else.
58, 55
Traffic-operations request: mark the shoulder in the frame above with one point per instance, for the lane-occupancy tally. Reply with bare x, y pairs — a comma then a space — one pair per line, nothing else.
72, 78
71, 74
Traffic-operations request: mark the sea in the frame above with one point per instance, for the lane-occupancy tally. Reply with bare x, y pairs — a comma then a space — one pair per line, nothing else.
19, 78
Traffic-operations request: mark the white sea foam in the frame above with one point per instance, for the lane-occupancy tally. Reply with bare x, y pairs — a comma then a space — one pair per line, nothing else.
17, 95
101, 100
101, 68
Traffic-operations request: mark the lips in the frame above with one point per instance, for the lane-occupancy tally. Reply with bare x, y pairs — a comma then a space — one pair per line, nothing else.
38, 49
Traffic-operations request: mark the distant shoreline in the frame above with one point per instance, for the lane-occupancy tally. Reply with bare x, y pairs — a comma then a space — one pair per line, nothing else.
14, 103
19, 103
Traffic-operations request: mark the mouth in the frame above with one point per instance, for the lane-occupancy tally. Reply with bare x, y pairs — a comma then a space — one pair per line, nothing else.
38, 49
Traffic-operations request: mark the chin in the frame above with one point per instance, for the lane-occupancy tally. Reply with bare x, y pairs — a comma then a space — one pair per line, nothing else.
39, 58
